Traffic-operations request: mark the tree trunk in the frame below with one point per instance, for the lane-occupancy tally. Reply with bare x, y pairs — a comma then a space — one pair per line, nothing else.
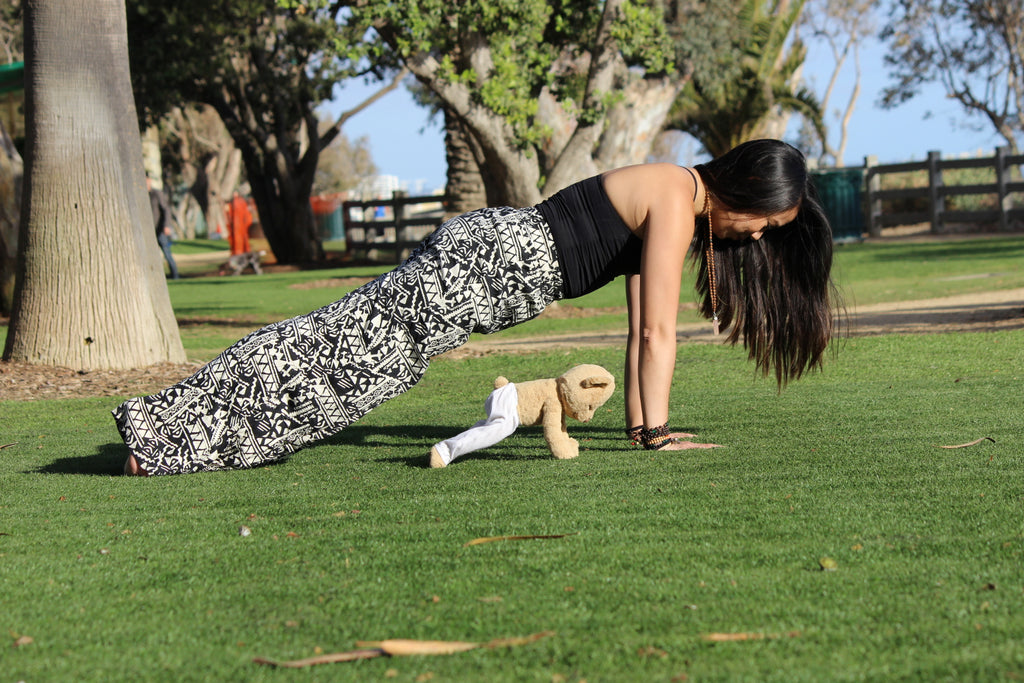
466, 188
91, 292
285, 212
152, 161
280, 170
218, 177
515, 171
577, 158
636, 120
210, 166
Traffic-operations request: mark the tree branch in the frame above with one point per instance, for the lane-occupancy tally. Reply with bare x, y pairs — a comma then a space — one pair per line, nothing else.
332, 132
605, 58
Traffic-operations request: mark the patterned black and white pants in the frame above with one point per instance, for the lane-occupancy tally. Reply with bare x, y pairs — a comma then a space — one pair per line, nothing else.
292, 383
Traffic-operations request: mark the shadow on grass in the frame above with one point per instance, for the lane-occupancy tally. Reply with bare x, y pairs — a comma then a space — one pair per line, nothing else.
953, 250
527, 443
241, 322
109, 458
386, 435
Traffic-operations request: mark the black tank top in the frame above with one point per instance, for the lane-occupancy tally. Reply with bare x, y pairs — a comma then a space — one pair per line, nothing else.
594, 244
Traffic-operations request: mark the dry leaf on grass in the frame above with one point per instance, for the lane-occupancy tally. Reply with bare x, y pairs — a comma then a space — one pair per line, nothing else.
491, 539
321, 659
22, 640
733, 637
972, 443
398, 647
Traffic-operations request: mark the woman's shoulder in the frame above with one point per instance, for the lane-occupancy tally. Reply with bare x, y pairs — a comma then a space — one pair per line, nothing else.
658, 169
634, 190
658, 179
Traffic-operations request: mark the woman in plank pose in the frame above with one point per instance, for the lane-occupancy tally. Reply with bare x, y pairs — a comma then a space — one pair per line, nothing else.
750, 220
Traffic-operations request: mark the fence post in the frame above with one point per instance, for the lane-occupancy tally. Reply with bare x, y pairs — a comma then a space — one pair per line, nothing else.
936, 202
1002, 177
874, 205
398, 208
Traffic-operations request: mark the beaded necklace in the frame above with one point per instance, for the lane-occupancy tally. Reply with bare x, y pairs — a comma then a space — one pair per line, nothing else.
710, 258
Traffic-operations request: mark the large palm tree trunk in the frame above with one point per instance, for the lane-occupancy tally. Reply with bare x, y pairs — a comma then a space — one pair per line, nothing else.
91, 292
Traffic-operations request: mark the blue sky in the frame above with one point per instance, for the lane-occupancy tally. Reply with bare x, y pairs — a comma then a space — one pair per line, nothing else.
405, 144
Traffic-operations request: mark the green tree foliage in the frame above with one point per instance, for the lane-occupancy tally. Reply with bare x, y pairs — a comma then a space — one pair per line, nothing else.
734, 96
545, 91
973, 48
264, 67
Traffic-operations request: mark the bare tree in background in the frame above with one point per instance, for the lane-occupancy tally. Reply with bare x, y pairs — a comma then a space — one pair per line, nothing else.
842, 25
342, 164
973, 48
199, 156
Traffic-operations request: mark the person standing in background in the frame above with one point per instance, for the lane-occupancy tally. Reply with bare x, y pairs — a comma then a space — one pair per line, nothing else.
162, 224
239, 221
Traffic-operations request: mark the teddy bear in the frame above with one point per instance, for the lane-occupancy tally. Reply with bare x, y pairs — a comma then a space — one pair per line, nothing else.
577, 393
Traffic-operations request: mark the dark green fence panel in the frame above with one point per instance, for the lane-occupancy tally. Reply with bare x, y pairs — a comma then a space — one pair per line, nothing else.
841, 193
331, 226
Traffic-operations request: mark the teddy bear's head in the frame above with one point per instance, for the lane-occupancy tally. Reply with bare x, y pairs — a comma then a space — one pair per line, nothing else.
583, 389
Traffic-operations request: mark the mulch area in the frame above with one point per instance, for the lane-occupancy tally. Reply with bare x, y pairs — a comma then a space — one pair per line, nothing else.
27, 382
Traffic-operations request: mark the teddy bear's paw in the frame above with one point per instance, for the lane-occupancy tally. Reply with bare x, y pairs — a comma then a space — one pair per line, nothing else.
566, 451
435, 458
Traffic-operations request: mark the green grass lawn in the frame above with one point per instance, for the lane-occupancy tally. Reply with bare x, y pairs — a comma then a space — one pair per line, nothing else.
116, 578
894, 271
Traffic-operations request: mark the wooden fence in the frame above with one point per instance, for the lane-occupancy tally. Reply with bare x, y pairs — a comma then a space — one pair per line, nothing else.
853, 197
390, 224
934, 195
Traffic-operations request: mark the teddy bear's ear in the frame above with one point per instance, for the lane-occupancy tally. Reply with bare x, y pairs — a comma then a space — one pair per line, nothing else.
594, 382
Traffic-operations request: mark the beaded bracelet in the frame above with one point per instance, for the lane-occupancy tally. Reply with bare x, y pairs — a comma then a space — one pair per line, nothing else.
635, 434
656, 437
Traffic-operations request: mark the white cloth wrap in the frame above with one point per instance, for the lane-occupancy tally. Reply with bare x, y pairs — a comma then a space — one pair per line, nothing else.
502, 408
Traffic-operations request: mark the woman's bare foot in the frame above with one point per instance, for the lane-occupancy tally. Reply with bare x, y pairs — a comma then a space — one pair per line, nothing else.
133, 469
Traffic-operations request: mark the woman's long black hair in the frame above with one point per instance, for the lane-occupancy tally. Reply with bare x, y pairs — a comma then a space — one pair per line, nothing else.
777, 291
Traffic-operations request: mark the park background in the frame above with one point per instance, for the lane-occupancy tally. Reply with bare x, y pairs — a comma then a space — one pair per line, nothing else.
931, 121
862, 524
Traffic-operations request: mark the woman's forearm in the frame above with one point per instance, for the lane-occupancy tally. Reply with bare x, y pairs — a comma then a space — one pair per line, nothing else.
634, 406
631, 380
656, 364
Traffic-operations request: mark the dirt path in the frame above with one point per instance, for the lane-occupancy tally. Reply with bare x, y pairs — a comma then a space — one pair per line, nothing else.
985, 311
